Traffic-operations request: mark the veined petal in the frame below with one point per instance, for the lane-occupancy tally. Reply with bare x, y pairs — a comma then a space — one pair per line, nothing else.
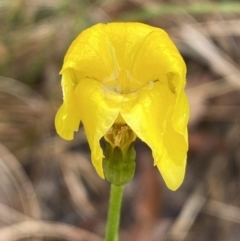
125, 56
173, 174
99, 108
174, 160
148, 113
67, 119
89, 55
155, 57
181, 113
124, 38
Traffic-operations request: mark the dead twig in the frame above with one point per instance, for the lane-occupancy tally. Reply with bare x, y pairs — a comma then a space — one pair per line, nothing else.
43, 229
224, 211
76, 188
188, 214
21, 182
217, 59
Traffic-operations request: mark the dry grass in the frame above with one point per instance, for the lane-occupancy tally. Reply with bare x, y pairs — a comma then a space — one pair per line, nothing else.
48, 187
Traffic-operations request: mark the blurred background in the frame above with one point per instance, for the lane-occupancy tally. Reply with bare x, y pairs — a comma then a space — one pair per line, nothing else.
49, 190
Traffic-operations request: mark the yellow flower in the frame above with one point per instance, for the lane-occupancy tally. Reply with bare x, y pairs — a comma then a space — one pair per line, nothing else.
127, 76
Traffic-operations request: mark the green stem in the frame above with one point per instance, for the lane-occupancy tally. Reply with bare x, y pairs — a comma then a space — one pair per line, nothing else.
116, 194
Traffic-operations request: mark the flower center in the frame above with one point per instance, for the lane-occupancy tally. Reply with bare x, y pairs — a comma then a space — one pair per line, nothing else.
120, 134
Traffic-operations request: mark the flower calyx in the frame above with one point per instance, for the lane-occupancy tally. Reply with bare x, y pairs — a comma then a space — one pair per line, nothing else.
119, 161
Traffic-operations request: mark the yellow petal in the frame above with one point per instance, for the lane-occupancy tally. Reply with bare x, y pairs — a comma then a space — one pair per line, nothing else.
148, 113
67, 119
155, 57
174, 159
99, 108
124, 38
181, 113
124, 56
88, 54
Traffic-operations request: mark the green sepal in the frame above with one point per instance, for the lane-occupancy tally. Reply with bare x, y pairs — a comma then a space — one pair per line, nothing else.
119, 165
